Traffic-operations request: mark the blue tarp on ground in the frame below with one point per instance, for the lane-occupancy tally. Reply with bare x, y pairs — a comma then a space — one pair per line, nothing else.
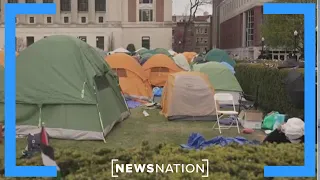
132, 104
197, 141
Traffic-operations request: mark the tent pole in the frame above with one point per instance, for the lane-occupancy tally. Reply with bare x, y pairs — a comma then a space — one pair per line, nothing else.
40, 114
101, 123
100, 119
104, 139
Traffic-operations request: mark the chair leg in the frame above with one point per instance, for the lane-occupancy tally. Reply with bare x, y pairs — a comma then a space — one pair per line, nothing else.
219, 125
238, 125
214, 125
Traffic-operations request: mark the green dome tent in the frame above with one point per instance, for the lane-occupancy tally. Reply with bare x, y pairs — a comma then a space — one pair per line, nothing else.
220, 76
144, 57
219, 55
142, 51
147, 52
64, 82
162, 51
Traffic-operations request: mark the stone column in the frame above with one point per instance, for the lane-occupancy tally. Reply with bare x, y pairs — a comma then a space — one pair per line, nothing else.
57, 17
74, 11
39, 18
2, 11
22, 18
92, 11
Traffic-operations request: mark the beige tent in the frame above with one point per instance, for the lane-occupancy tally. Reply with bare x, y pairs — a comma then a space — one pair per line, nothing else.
188, 96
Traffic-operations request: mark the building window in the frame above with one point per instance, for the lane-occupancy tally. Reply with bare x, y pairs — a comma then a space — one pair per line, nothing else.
66, 19
100, 5
30, 1
198, 31
249, 28
83, 38
65, 5
31, 20
47, 1
145, 15
145, 1
100, 42
100, 19
145, 42
83, 5
30, 40
83, 19
12, 1
49, 20
205, 30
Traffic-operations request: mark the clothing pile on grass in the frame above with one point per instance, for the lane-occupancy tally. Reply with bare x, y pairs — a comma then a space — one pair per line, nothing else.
290, 131
280, 128
198, 142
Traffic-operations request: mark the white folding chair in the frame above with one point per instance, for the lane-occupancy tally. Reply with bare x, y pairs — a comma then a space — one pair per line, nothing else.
225, 97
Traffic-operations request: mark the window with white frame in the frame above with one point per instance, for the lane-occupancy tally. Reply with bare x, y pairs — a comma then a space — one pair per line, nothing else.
249, 28
145, 15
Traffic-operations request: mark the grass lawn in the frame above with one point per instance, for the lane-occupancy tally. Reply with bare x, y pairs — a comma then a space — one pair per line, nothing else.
137, 128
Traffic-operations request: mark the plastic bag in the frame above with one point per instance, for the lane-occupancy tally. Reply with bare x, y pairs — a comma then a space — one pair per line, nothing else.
157, 91
269, 120
279, 119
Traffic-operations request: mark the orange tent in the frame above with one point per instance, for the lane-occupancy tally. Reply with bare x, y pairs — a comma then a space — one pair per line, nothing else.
133, 80
189, 56
2, 57
158, 67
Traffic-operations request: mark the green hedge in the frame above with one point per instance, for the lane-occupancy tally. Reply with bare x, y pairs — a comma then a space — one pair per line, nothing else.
272, 93
233, 162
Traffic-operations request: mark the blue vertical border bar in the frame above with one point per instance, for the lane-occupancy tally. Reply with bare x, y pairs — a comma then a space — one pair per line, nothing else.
11, 169
309, 168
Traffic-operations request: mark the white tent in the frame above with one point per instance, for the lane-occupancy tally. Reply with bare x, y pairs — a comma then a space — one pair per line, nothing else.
140, 49
120, 50
172, 52
182, 62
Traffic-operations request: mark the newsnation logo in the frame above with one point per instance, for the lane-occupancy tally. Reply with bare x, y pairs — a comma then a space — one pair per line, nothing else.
118, 168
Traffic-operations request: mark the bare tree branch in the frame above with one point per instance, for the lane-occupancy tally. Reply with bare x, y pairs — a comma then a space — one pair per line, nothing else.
193, 8
20, 44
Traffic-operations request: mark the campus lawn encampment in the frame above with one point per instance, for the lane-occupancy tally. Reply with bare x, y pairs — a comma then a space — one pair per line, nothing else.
92, 159
71, 87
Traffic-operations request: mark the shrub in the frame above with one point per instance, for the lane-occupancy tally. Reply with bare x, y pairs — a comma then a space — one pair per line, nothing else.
272, 93
131, 48
231, 162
